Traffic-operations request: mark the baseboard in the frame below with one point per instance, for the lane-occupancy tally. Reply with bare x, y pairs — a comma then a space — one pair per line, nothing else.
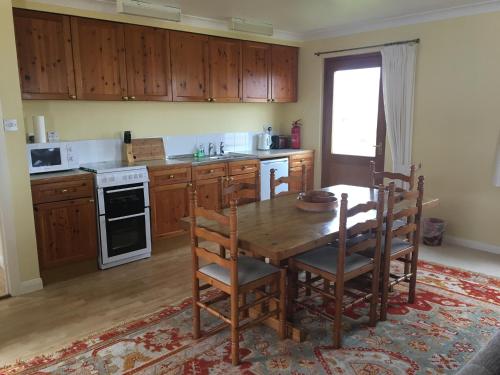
32, 285
472, 244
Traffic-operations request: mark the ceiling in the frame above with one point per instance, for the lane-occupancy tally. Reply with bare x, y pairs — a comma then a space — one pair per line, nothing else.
314, 17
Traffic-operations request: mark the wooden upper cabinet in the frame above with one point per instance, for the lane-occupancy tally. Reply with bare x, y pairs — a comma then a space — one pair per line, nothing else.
99, 56
147, 54
284, 73
44, 55
256, 62
225, 69
190, 70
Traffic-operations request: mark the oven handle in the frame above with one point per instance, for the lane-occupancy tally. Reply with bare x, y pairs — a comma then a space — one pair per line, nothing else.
127, 217
125, 189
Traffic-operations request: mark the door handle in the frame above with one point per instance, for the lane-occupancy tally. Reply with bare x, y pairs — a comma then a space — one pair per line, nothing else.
379, 148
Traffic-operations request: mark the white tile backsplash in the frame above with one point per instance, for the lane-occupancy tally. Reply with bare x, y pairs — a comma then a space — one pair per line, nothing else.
91, 151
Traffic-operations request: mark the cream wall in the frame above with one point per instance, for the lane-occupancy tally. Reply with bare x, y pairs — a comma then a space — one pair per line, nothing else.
10, 97
457, 114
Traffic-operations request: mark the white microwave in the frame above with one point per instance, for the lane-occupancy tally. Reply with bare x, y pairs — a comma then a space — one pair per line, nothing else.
51, 157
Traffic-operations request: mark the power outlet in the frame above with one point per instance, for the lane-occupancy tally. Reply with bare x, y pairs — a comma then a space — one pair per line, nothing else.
10, 125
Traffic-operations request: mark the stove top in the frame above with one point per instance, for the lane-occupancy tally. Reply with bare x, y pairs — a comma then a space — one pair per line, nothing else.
111, 166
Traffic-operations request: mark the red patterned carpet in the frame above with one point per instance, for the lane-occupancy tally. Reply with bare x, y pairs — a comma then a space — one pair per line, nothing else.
456, 314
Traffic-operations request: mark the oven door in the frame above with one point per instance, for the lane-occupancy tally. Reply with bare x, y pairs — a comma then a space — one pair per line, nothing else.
124, 200
125, 237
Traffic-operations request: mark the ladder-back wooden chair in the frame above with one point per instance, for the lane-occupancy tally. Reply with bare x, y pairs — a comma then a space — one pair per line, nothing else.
378, 177
406, 206
233, 275
290, 180
242, 192
343, 263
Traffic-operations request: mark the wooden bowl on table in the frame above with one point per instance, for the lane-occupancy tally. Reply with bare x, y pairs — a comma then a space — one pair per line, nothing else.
317, 201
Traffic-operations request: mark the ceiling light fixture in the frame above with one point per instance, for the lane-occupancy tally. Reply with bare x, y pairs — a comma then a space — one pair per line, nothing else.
148, 9
240, 24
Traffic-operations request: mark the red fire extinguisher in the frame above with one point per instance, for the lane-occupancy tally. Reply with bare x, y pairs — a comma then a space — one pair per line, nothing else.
296, 134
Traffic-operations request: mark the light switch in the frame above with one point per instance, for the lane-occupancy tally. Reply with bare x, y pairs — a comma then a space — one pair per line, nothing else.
10, 125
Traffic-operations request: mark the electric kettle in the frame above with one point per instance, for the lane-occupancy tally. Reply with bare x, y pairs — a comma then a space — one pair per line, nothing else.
264, 140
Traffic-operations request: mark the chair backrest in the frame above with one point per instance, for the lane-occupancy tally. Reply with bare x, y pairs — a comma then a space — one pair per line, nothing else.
377, 177
369, 232
296, 180
230, 242
406, 207
242, 192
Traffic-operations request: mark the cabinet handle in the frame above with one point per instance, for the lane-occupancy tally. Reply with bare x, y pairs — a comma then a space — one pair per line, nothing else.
190, 184
91, 201
209, 99
243, 167
125, 97
268, 100
231, 178
64, 190
72, 97
301, 160
214, 100
132, 98
211, 171
171, 176
272, 100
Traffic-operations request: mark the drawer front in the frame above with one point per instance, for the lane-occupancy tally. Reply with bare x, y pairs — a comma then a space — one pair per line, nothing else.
301, 159
204, 172
170, 176
60, 191
243, 167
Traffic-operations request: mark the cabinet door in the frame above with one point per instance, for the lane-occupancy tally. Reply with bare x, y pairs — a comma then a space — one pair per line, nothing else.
66, 231
209, 193
147, 53
256, 61
43, 42
98, 53
169, 204
297, 172
284, 74
225, 69
246, 196
189, 54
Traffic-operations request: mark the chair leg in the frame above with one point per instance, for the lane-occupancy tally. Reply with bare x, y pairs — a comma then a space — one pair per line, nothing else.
413, 279
308, 280
291, 289
243, 301
385, 290
374, 299
282, 304
235, 337
326, 288
196, 308
337, 323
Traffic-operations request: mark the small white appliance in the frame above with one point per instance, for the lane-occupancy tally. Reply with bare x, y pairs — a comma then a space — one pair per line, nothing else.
51, 157
264, 140
123, 211
281, 170
247, 26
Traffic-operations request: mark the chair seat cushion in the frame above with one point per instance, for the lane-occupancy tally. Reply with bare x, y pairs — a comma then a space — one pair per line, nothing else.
398, 223
249, 269
397, 245
325, 259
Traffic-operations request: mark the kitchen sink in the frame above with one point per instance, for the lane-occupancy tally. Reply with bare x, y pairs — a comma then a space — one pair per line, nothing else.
207, 159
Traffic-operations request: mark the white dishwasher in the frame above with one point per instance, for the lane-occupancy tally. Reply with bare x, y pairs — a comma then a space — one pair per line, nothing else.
281, 167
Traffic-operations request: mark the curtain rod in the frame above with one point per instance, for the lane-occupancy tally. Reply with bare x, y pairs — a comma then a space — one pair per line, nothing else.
373, 46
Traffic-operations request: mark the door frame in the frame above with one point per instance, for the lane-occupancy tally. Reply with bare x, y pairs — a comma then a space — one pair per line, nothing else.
356, 61
7, 225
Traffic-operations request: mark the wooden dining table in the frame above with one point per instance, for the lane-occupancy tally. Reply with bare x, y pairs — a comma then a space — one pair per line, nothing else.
276, 229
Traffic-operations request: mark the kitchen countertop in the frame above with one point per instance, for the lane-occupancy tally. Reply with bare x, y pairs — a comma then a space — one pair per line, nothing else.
271, 154
43, 178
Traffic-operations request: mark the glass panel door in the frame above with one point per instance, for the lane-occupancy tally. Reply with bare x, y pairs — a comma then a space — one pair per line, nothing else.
355, 111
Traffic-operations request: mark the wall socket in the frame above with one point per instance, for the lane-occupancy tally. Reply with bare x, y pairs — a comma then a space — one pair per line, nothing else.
10, 125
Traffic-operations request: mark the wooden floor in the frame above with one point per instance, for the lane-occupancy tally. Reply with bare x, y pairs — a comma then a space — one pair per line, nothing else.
63, 312
3, 286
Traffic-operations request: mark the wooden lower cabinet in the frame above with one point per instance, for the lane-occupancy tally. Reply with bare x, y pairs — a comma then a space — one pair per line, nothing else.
295, 169
169, 204
208, 193
66, 231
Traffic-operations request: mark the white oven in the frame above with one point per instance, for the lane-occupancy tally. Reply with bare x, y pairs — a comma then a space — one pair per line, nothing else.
51, 157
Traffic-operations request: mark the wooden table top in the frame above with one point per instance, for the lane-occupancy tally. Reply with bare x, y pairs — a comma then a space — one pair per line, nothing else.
276, 229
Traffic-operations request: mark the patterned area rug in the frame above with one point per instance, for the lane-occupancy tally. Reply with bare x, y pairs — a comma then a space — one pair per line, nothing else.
456, 314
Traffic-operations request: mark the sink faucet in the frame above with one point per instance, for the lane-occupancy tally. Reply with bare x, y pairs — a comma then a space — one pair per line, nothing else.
211, 148
221, 148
